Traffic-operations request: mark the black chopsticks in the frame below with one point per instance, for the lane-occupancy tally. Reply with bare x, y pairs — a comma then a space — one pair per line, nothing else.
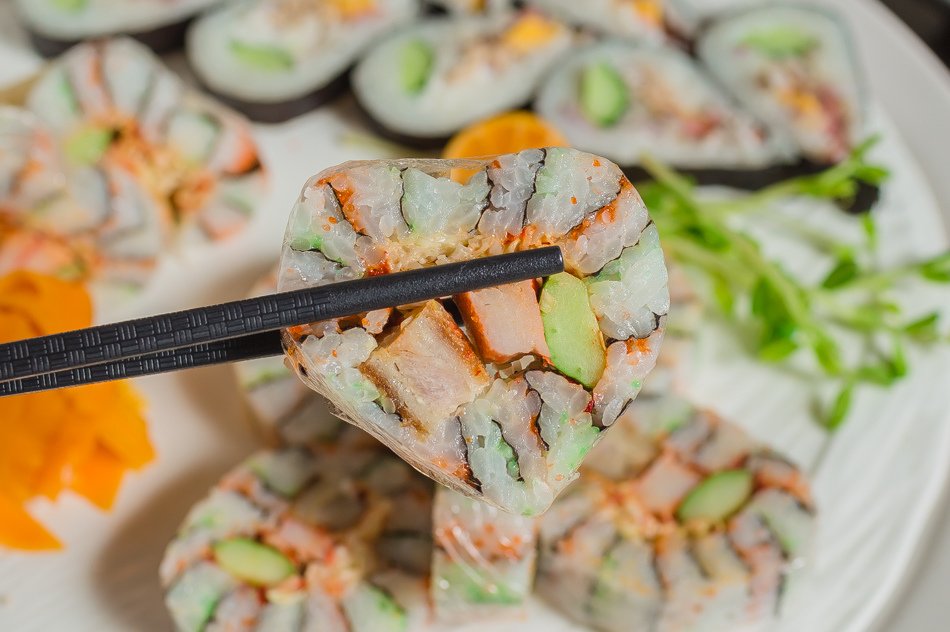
241, 330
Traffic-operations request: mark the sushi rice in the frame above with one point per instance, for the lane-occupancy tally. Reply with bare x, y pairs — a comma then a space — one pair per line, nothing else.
288, 541
622, 100
131, 161
278, 58
483, 564
687, 17
426, 82
681, 522
794, 67
511, 430
640, 20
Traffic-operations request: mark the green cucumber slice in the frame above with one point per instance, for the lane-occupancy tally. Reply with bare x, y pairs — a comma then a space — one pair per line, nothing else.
781, 42
73, 6
604, 97
717, 497
571, 329
253, 562
415, 65
87, 146
262, 56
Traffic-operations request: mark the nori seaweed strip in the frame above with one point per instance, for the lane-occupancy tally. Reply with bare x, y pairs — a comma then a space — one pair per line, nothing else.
163, 39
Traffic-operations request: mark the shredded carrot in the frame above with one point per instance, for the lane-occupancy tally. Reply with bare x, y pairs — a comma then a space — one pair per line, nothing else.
81, 439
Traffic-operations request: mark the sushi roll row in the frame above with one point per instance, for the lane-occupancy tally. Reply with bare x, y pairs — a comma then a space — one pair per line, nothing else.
682, 523
499, 393
483, 564
123, 161
427, 82
288, 541
275, 59
57, 25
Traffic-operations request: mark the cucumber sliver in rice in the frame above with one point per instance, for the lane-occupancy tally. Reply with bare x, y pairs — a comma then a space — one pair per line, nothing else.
252, 561
717, 497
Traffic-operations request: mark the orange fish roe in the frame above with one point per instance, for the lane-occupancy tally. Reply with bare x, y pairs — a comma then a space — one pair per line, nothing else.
79, 439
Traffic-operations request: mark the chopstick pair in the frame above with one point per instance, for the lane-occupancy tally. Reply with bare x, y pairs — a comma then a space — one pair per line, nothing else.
241, 330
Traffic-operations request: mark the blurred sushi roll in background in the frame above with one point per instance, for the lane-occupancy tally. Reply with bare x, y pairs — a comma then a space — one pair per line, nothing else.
623, 100
500, 393
427, 82
124, 162
687, 17
276, 59
470, 7
287, 541
641, 20
56, 25
681, 522
484, 560
794, 67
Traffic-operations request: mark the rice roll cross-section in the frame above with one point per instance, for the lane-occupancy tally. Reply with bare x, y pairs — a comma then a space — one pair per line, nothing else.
57, 25
276, 59
501, 393
686, 523
287, 541
483, 564
795, 68
148, 162
641, 20
427, 82
623, 100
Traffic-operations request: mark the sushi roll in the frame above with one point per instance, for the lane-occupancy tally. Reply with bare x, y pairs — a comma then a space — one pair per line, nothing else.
500, 393
470, 7
146, 163
687, 17
57, 25
622, 100
794, 67
286, 542
484, 559
276, 59
641, 20
684, 523
427, 82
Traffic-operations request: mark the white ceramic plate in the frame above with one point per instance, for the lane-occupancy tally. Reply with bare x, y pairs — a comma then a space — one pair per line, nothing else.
877, 482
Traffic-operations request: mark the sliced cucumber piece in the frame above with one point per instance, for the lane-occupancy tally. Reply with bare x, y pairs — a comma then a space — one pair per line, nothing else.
262, 56
73, 6
604, 97
87, 146
571, 329
717, 497
781, 42
415, 65
253, 562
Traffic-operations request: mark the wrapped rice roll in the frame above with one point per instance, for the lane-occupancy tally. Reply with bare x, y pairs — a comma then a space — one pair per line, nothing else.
286, 542
638, 19
425, 83
57, 25
794, 67
622, 100
276, 59
499, 395
484, 559
145, 162
685, 524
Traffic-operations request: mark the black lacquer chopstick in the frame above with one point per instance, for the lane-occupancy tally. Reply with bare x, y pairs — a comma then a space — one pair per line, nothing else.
238, 330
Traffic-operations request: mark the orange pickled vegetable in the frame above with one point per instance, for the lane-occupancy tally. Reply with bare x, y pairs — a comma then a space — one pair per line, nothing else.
81, 439
503, 134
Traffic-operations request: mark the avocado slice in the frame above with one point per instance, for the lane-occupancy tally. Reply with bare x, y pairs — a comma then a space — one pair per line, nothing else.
717, 497
571, 329
252, 561
781, 42
262, 56
415, 65
86, 146
604, 97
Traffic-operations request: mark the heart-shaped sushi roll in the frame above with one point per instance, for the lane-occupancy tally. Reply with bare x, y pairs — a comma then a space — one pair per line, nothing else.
57, 25
499, 393
683, 522
276, 59
427, 82
125, 161
794, 67
297, 538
